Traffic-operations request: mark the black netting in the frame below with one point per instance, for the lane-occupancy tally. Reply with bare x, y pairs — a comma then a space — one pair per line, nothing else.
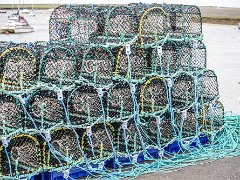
152, 26
98, 144
160, 134
24, 153
97, 65
120, 24
18, 68
10, 114
84, 105
179, 56
207, 86
64, 142
45, 109
183, 91
136, 65
58, 65
153, 95
120, 101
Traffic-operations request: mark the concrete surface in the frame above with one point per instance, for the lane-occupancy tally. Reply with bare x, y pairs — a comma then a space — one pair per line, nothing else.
222, 169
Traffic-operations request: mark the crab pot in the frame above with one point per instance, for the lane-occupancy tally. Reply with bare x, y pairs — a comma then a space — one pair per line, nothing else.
160, 133
45, 109
99, 144
152, 25
66, 148
207, 86
213, 116
129, 137
182, 91
120, 24
178, 56
58, 66
18, 69
135, 67
183, 20
10, 114
97, 65
153, 96
24, 154
84, 105
120, 101
60, 23
88, 27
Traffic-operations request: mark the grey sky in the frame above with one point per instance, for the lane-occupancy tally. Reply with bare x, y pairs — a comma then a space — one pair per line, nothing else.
221, 3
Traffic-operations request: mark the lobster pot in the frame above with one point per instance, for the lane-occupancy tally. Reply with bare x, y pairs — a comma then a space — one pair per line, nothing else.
60, 23
187, 56
24, 154
135, 67
169, 62
193, 56
182, 91
64, 149
153, 96
58, 66
183, 20
213, 116
88, 25
45, 109
99, 144
84, 105
187, 123
120, 24
97, 65
18, 69
129, 138
159, 134
120, 101
207, 86
10, 114
152, 26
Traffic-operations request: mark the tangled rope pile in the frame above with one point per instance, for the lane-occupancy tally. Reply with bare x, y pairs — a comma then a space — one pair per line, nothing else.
114, 86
